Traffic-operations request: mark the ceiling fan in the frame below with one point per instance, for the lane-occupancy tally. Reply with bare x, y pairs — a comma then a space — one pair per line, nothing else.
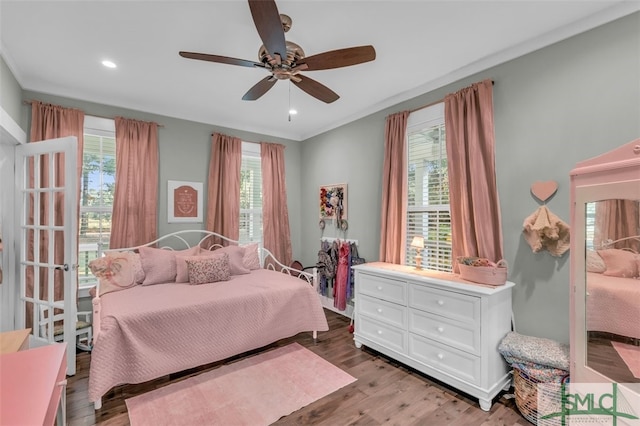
284, 59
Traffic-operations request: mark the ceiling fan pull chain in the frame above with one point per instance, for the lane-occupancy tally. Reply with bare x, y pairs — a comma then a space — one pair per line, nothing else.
289, 100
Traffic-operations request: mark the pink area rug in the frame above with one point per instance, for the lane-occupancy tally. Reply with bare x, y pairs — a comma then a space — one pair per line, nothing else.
253, 391
630, 355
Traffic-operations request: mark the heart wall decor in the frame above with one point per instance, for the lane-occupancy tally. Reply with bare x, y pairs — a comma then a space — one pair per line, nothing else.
544, 190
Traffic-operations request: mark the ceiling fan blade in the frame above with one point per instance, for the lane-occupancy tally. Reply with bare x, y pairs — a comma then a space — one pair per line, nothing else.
315, 89
221, 59
339, 58
267, 21
260, 88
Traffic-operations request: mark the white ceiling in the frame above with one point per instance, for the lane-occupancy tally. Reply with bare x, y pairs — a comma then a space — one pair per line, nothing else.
56, 47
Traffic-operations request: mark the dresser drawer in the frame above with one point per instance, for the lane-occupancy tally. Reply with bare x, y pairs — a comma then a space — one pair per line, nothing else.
457, 306
461, 365
378, 309
461, 335
383, 334
382, 288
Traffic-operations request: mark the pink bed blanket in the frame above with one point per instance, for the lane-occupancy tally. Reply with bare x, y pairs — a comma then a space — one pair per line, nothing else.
150, 331
613, 305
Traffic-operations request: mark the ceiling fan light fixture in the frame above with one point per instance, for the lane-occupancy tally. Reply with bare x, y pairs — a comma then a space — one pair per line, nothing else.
293, 111
284, 59
109, 64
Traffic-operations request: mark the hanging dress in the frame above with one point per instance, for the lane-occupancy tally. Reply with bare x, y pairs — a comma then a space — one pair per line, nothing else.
349, 273
322, 275
341, 281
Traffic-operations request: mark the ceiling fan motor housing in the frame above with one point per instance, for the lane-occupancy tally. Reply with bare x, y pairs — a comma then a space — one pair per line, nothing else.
288, 59
282, 71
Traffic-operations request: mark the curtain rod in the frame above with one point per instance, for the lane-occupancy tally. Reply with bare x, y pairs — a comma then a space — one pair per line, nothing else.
436, 102
242, 139
99, 116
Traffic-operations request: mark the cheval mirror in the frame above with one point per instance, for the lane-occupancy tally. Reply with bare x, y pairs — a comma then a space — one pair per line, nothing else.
605, 269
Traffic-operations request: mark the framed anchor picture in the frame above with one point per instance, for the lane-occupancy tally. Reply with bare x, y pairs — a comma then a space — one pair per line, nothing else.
184, 202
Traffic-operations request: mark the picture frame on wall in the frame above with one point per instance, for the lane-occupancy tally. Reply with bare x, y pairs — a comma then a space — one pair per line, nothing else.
333, 201
184, 201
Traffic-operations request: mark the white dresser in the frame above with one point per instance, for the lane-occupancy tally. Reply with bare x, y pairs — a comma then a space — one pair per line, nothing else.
437, 323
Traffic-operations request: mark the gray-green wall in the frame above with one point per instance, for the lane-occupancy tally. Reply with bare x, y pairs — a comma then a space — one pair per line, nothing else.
10, 92
553, 107
185, 148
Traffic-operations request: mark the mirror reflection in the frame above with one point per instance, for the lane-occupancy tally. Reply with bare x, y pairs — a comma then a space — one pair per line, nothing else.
613, 288
1, 245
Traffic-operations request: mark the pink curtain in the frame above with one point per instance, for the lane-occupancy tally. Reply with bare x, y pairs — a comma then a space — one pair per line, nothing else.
475, 208
135, 200
615, 219
49, 122
275, 214
223, 193
394, 188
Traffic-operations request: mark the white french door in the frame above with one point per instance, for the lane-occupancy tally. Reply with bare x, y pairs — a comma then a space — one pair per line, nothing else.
46, 214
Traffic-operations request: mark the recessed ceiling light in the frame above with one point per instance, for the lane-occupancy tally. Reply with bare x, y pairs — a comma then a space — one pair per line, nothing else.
293, 112
108, 64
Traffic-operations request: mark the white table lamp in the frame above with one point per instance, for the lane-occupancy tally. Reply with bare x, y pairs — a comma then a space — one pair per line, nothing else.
418, 244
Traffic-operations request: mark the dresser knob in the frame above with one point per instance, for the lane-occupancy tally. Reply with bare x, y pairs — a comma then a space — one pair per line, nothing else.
440, 329
440, 356
440, 302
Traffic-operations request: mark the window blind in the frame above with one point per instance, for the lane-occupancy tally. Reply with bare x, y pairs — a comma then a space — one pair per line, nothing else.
250, 193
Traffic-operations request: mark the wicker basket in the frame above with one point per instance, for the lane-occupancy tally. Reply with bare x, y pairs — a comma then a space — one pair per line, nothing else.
491, 275
527, 398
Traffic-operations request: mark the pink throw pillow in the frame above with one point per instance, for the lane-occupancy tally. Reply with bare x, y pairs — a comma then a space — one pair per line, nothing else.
160, 264
620, 263
236, 255
595, 263
208, 269
117, 271
182, 272
251, 259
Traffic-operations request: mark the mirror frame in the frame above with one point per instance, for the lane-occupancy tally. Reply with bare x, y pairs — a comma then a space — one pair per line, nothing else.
614, 174
583, 195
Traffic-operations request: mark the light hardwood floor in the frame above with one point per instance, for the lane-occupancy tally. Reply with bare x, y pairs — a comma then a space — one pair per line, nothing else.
385, 391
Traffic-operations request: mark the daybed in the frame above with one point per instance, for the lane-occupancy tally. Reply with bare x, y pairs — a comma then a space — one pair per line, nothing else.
613, 292
147, 325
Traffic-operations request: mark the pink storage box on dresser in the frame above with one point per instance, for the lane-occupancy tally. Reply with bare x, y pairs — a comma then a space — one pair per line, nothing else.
474, 269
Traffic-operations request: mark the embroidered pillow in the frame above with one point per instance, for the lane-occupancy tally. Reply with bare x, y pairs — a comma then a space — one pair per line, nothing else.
182, 273
619, 263
251, 259
595, 263
117, 271
236, 255
208, 269
160, 264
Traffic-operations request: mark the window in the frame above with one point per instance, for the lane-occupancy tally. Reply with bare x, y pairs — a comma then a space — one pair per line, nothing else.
428, 213
97, 185
250, 193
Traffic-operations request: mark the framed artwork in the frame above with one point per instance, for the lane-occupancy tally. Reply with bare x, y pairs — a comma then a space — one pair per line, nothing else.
184, 202
333, 201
